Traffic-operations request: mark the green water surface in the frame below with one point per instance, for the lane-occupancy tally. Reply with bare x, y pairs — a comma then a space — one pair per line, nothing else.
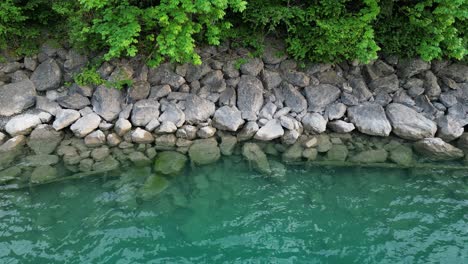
227, 213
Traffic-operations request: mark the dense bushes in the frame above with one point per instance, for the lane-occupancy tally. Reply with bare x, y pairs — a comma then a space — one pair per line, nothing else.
319, 30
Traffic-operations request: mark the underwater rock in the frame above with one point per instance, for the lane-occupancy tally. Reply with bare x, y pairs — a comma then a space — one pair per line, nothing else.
153, 186
254, 154
337, 153
402, 155
204, 151
370, 156
170, 162
43, 174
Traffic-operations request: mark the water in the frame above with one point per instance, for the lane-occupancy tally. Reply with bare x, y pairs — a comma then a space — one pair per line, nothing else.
226, 213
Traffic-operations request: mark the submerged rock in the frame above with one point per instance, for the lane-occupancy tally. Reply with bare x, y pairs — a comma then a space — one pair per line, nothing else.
153, 186
370, 156
402, 155
204, 151
43, 174
170, 162
255, 155
438, 150
337, 153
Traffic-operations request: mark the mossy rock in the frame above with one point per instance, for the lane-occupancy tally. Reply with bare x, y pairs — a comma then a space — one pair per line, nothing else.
402, 155
9, 174
204, 151
153, 186
43, 174
170, 162
370, 156
337, 153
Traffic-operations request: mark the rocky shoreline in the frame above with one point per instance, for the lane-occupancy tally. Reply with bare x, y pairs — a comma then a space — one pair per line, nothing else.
399, 111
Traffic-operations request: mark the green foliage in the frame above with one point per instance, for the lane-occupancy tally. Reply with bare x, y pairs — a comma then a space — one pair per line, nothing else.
88, 76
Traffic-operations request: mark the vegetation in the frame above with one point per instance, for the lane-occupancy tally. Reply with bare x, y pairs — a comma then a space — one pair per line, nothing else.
317, 30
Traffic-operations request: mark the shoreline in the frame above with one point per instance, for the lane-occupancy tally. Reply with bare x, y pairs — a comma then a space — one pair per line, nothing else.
403, 112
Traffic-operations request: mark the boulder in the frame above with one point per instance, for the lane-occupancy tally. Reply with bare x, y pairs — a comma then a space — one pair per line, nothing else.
144, 111
160, 91
108, 164
139, 159
16, 97
431, 87
43, 174
335, 111
249, 96
370, 119
337, 153
228, 143
409, 124
198, 109
360, 90
64, 118
319, 96
74, 101
152, 187
314, 123
271, 79
139, 91
256, 157
437, 150
271, 130
95, 139
173, 114
248, 131
107, 102
293, 153
206, 132
39, 160
388, 84
170, 162
44, 139
22, 124
401, 155
252, 67
340, 126
99, 154
47, 76
370, 156
204, 151
293, 98
85, 125
46, 105
141, 136
449, 128
11, 149
228, 118
296, 78
410, 67
457, 72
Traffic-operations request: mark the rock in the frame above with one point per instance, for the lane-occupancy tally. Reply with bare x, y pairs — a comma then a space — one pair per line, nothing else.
204, 151
160, 91
230, 69
340, 126
46, 105
271, 130
3, 138
170, 162
43, 174
293, 153
95, 139
290, 137
166, 128
9, 174
310, 154
228, 97
172, 79
273, 55
152, 125
310, 143
47, 76
314, 123
165, 142
249, 95
206, 132
86, 125
228, 143
335, 111
432, 88
388, 84
321, 95
370, 119
299, 79
449, 128
173, 114
22, 124
44, 139
457, 72
252, 67
74, 61
86, 165
337, 153
11, 149
410, 67
268, 111
463, 142
152, 187
139, 91
409, 124
16, 97
360, 89
187, 132
323, 143
109, 164
271, 79
122, 126
448, 100
107, 102
40, 160
100, 154
287, 122
198, 109
248, 131
256, 157
437, 150
141, 136
74, 101
293, 98
139, 159
401, 155
196, 72
64, 118
228, 118
370, 156
214, 81
144, 111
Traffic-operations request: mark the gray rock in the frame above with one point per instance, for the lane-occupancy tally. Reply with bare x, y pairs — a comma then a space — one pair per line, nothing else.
38, 160
204, 151
85, 125
401, 155
173, 114
370, 119
46, 105
403, 98
22, 124
214, 81
198, 109
335, 111
47, 76
230, 70
107, 102
166, 127
196, 72
337, 153
228, 143
388, 84
16, 97
249, 95
141, 136
139, 90
321, 95
456, 71
349, 99
95, 139
432, 88
165, 142
248, 131
287, 122
268, 111
299, 79
273, 55
314, 123
409, 124
187, 132
228, 97
438, 150
382, 98
44, 139
271, 79
410, 67
144, 111
360, 89
330, 77
83, 90
256, 157
270, 131
340, 126
170, 163
172, 79
206, 132
74, 61
108, 164
160, 91
3, 138
43, 174
290, 137
449, 128
99, 154
64, 118
448, 100
293, 98
252, 67
228, 118
74, 101
122, 126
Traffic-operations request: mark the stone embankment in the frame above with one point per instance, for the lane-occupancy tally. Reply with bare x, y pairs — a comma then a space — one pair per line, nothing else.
375, 113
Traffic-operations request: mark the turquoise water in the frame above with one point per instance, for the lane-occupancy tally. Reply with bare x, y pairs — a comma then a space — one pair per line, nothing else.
226, 213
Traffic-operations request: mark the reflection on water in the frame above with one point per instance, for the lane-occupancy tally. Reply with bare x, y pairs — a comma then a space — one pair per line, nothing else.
226, 213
